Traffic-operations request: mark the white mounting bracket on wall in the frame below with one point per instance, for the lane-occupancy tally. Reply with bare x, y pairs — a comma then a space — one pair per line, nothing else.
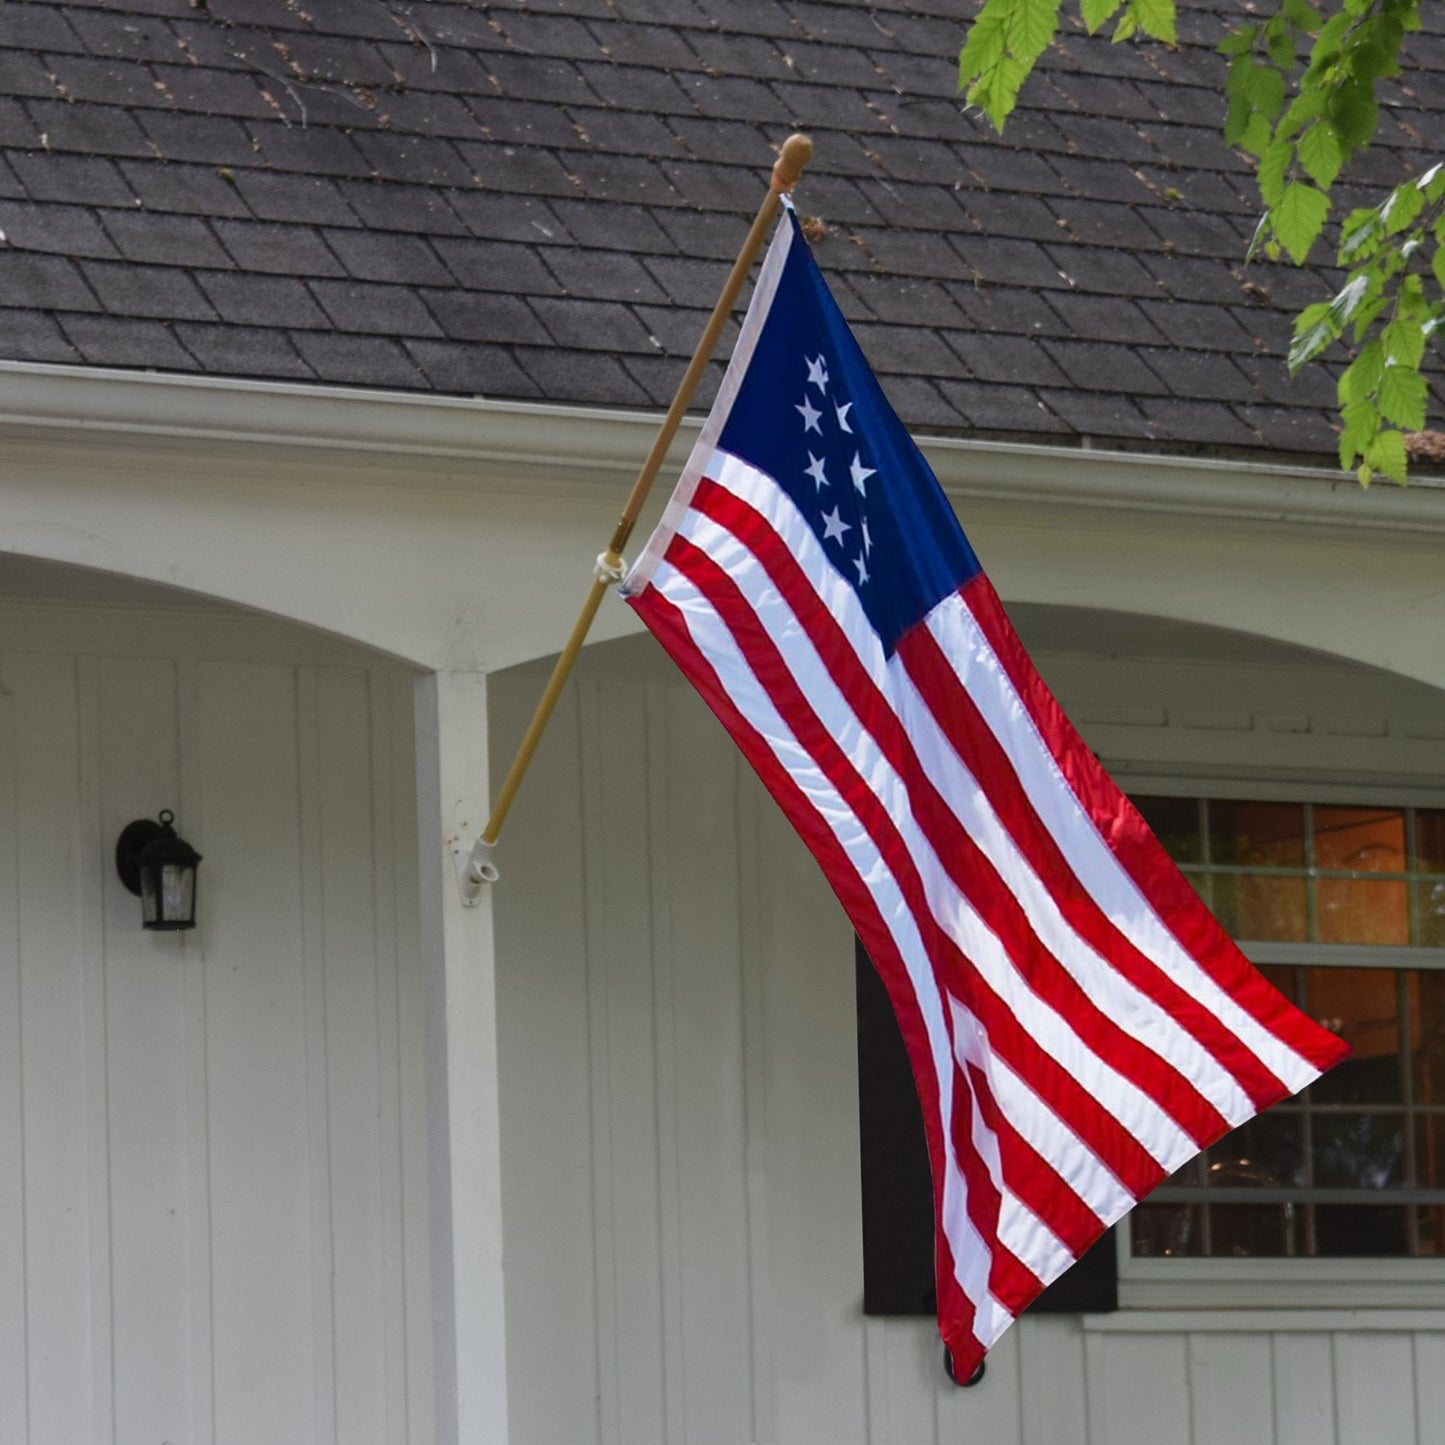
475, 869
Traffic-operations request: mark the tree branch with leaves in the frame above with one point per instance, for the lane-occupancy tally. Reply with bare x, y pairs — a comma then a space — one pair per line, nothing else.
1302, 99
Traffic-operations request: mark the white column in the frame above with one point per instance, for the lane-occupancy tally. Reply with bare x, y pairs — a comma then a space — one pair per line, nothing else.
458, 948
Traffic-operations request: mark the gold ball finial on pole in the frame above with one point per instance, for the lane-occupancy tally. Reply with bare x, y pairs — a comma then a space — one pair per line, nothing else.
796, 152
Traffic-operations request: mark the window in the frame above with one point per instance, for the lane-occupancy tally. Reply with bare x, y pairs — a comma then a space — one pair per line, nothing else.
1343, 909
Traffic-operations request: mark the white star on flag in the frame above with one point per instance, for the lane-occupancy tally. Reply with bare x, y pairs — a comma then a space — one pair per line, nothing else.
810, 415
815, 470
860, 474
843, 411
818, 373
834, 526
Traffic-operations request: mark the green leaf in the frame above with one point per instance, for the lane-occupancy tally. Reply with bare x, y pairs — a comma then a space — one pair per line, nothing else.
1257, 135
1353, 110
1349, 297
1299, 218
1361, 422
1402, 398
1237, 42
1271, 173
1363, 374
1308, 105
1401, 208
1359, 233
1314, 329
1386, 453
1279, 45
1365, 317
1096, 12
1404, 341
1437, 265
1302, 15
1156, 18
1321, 154
1030, 28
1264, 89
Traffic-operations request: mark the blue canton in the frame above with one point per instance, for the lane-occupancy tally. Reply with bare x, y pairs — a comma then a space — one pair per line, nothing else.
810, 413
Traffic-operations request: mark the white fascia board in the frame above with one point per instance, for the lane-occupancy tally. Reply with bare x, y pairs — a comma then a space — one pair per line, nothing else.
511, 444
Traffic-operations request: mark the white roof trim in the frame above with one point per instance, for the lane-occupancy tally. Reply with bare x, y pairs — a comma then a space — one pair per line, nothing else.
512, 443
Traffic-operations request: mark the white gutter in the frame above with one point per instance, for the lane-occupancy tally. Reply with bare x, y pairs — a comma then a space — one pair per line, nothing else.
513, 443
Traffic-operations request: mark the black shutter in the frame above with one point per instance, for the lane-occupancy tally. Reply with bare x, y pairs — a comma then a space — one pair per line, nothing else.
897, 1191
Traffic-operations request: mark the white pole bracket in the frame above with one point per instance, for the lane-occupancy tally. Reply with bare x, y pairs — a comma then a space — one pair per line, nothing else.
475, 870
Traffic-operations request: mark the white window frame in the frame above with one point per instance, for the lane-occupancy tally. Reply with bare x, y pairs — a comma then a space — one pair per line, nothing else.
1307, 1284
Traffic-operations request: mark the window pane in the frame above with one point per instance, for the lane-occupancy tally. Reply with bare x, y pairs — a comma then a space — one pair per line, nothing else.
1267, 834
1430, 897
1430, 1229
1429, 1151
1361, 910
1157, 1230
1361, 839
1260, 906
1175, 822
1254, 1229
1361, 1005
1427, 1036
1267, 1151
1430, 840
1361, 1229
1358, 1151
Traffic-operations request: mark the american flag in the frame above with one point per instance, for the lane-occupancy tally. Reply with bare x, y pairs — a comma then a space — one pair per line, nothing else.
1078, 1024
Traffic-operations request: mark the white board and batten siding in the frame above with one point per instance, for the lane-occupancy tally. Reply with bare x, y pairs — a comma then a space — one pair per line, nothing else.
679, 1109
213, 1212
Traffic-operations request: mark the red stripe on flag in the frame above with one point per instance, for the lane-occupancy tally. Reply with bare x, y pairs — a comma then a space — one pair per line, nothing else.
1110, 1140
958, 717
965, 863
956, 1310
1067, 1215
1140, 853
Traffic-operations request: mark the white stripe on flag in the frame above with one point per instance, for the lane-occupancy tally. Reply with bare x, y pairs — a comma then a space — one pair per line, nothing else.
1139, 1114
984, 677
971, 1253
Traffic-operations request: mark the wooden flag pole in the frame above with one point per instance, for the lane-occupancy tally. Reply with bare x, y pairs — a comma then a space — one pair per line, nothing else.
795, 153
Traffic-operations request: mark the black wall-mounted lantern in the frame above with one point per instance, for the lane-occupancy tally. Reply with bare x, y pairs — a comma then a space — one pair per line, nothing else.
160, 869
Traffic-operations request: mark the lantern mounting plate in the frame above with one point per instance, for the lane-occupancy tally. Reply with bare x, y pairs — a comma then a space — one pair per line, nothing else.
133, 838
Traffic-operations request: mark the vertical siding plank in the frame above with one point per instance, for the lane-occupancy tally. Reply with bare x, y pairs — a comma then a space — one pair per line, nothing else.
990, 1410
633, 1329
260, 1184
353, 1103
904, 1370
1429, 1386
312, 925
1304, 1398
57, 1054
700, 1068
1231, 1389
146, 1056
196, 1133
1374, 1376
1138, 1389
91, 851
14, 1349
548, 1186
1051, 1380
805, 1232
412, 1066
392, 1324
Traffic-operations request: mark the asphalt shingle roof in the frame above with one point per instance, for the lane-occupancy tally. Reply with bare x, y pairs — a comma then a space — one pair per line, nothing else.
537, 199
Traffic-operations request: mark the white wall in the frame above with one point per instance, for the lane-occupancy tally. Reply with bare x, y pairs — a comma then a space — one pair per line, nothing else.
213, 1213
680, 1158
